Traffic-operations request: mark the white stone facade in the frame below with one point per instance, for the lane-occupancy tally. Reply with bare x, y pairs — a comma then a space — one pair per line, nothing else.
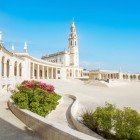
113, 75
69, 57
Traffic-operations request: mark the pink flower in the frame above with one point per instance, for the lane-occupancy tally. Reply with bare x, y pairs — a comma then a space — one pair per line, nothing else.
35, 84
50, 88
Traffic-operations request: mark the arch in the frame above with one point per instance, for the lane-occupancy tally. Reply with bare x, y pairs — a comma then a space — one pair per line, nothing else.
81, 73
15, 68
70, 73
134, 76
8, 68
71, 42
111, 76
139, 77
108, 76
124, 76
40, 73
2, 64
20, 69
46, 73
131, 77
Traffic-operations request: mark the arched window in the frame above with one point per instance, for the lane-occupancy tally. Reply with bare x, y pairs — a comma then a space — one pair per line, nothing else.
2, 68
8, 68
75, 43
71, 42
15, 69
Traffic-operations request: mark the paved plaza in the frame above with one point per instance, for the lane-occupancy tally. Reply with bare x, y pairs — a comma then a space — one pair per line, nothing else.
89, 95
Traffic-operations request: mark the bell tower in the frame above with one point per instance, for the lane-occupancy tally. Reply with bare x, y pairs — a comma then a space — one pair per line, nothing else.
73, 46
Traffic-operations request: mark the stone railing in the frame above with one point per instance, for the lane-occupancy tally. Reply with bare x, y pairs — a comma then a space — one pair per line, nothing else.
46, 129
79, 126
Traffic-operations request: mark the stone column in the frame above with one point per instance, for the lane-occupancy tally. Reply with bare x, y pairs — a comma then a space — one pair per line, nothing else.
11, 70
99, 76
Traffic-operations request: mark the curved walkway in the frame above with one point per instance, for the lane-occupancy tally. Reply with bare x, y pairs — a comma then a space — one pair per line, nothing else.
11, 128
61, 114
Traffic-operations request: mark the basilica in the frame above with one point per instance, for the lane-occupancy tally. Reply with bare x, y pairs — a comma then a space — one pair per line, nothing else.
16, 67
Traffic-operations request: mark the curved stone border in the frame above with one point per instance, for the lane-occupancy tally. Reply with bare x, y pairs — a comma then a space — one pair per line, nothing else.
47, 129
79, 126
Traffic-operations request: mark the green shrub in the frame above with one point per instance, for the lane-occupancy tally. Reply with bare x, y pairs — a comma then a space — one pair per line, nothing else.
127, 124
89, 121
103, 116
113, 123
21, 99
36, 98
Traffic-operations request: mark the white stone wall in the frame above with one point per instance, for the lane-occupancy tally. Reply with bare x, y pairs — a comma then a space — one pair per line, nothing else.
14, 68
113, 75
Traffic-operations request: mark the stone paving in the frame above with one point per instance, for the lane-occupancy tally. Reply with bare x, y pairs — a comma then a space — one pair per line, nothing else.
11, 128
62, 113
122, 93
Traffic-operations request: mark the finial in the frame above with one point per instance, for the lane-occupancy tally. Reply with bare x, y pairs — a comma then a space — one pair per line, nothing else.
25, 47
13, 48
73, 23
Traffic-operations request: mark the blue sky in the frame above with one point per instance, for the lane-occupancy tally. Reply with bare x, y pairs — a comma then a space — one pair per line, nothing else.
108, 30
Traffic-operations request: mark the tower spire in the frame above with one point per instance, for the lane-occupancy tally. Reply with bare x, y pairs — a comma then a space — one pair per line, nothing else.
25, 47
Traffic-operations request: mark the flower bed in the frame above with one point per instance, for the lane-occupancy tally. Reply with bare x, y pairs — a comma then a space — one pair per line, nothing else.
37, 97
113, 123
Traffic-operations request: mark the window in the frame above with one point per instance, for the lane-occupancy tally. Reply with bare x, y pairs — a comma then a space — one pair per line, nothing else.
15, 69
71, 42
58, 71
